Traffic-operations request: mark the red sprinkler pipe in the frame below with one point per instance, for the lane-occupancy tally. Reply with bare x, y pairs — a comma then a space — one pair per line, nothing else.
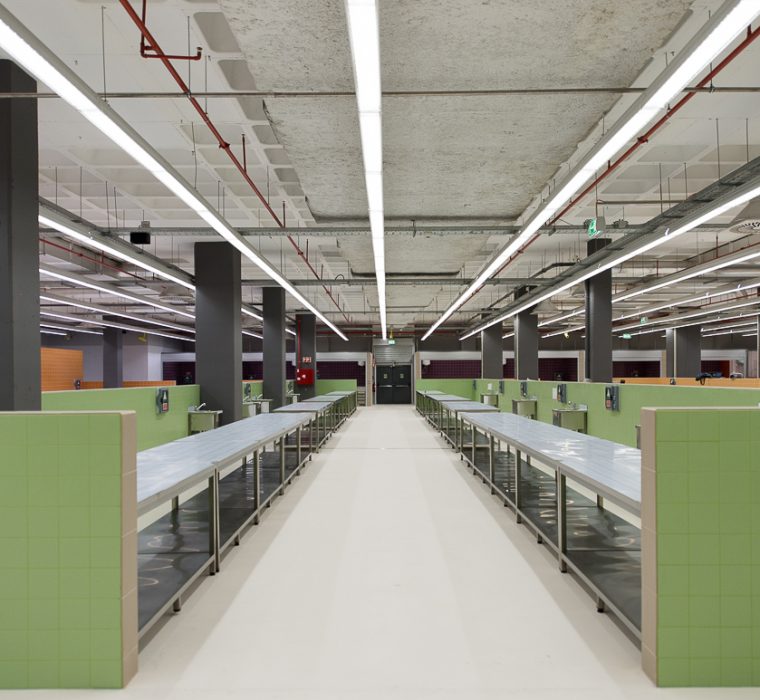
224, 145
151, 51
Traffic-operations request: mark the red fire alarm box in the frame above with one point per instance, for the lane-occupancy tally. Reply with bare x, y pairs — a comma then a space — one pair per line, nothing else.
304, 376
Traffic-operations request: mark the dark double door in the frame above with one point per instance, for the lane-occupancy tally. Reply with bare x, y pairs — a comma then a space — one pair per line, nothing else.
394, 384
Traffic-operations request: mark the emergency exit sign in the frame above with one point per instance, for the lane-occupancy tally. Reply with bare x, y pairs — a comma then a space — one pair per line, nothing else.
595, 226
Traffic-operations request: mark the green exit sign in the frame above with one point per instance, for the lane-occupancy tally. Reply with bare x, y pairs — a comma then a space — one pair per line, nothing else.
595, 226
626, 336
391, 341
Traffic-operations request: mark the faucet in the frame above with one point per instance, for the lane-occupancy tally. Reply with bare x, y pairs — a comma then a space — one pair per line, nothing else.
198, 408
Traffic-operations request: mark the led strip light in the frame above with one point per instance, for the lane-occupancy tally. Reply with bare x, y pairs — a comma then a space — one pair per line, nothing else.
720, 206
82, 235
721, 29
68, 329
364, 37
111, 324
65, 301
18, 42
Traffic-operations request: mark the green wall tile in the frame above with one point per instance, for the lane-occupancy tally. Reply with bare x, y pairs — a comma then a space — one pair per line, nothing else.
736, 672
704, 672
672, 426
152, 429
674, 672
43, 552
704, 549
704, 642
719, 478
703, 580
673, 642
674, 611
704, 611
60, 500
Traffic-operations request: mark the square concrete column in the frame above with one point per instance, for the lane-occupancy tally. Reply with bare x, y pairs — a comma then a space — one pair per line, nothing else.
526, 345
274, 345
491, 355
684, 351
113, 358
19, 247
306, 350
218, 329
599, 320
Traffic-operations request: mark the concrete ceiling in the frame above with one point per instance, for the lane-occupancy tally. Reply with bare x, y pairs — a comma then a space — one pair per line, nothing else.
445, 157
454, 163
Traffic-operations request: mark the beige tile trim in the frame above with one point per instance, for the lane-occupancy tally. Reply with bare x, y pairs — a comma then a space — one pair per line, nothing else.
129, 638
649, 542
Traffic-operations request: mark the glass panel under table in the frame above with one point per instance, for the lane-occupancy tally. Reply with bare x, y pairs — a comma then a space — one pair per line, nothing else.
595, 537
176, 544
600, 541
246, 488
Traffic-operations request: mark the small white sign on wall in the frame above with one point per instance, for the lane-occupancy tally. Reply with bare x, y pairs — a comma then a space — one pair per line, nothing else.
554, 393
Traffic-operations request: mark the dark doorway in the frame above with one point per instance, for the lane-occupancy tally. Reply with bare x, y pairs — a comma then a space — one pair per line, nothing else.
394, 383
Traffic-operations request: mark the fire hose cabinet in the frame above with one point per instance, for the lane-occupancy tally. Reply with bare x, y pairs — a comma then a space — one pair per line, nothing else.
304, 376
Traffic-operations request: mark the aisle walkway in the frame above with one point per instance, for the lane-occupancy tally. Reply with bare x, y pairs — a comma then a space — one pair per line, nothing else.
389, 572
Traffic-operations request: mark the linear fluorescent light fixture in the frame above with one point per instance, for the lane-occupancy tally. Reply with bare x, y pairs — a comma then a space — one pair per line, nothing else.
251, 313
690, 275
78, 280
45, 331
713, 38
30, 53
557, 319
112, 324
68, 329
97, 241
564, 331
364, 37
290, 332
253, 335
105, 310
741, 195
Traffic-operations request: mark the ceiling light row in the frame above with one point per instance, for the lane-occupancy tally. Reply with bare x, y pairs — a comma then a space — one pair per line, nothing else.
364, 38
721, 205
38, 60
711, 40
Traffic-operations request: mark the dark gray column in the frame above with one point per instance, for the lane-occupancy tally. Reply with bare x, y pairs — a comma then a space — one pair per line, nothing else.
218, 332
684, 352
113, 358
19, 249
599, 320
491, 356
306, 347
526, 339
526, 345
274, 345
670, 356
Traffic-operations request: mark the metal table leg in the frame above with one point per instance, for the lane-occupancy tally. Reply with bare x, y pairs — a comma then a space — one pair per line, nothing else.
562, 520
491, 457
518, 485
213, 521
298, 447
282, 464
256, 487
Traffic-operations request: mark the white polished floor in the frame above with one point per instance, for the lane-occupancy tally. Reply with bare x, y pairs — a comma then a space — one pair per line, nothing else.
388, 572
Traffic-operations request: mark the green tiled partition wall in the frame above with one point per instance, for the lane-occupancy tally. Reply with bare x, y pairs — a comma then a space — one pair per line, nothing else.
325, 386
618, 426
701, 546
152, 428
68, 572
